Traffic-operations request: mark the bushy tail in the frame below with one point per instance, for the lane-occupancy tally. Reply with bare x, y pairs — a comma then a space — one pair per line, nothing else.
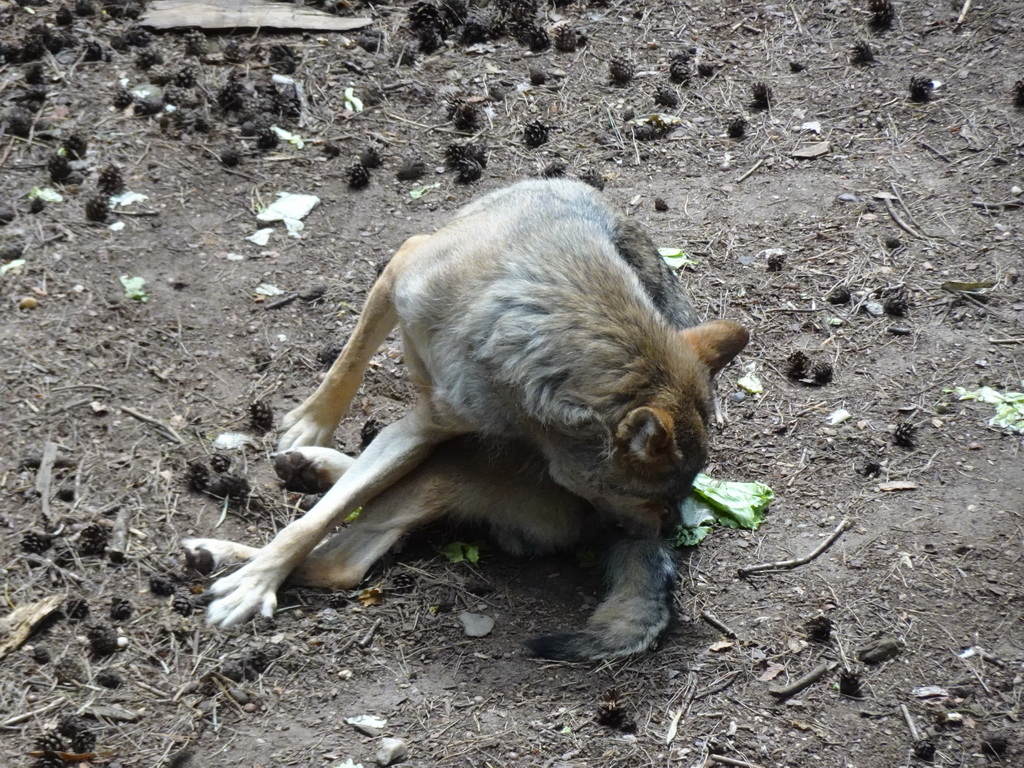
641, 575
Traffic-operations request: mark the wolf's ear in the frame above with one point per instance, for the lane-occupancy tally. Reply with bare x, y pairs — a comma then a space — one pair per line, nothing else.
645, 435
716, 342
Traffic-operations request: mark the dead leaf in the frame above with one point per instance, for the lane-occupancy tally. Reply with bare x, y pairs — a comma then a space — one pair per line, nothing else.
897, 485
773, 671
811, 151
16, 626
721, 645
247, 14
371, 596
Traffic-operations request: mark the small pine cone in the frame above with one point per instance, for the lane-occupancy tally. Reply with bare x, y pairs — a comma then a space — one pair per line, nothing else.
533, 37
64, 16
195, 43
468, 170
229, 486
776, 261
593, 177
68, 669
538, 76
430, 40
197, 476
120, 609
84, 8
705, 69
36, 543
161, 75
566, 38
102, 639
850, 684
822, 372
19, 121
797, 66
762, 96
160, 585
93, 540
819, 629
230, 156
182, 605
921, 89
40, 655
553, 170
660, 205
403, 582
612, 714
186, 77
1018, 94
621, 69
737, 128
59, 167
679, 68
75, 146
535, 134
149, 58
862, 53
76, 609
108, 679
798, 365
839, 295
358, 177
266, 139
882, 13
369, 431
97, 208
234, 52
456, 154
331, 150
50, 741
896, 303
110, 182
82, 742
220, 463
411, 169
667, 97
93, 52
476, 30
70, 726
370, 158
893, 243
424, 15
904, 435
137, 37
261, 415
466, 117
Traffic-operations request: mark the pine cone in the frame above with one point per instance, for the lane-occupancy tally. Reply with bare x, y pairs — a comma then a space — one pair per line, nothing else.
75, 146
36, 543
465, 116
425, 16
69, 670
93, 539
862, 53
1018, 94
904, 435
120, 609
160, 585
896, 302
476, 30
230, 156
921, 89
621, 69
839, 295
195, 43
110, 182
666, 97
358, 176
83, 742
261, 415
679, 68
705, 69
370, 157
553, 170
266, 139
182, 605
76, 609
102, 639
149, 58
660, 205
229, 486
536, 134
776, 261
411, 169
108, 679
197, 476
566, 38
611, 713
737, 128
593, 177
882, 13
762, 96
822, 372
58, 167
798, 365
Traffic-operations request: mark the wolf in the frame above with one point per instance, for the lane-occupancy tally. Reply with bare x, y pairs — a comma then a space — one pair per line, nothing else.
564, 386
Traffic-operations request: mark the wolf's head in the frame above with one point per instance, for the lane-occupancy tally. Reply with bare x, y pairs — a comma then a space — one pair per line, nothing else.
656, 443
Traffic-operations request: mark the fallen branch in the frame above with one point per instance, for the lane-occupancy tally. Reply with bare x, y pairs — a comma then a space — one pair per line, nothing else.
749, 173
782, 565
914, 733
803, 682
900, 222
718, 624
732, 761
117, 549
165, 428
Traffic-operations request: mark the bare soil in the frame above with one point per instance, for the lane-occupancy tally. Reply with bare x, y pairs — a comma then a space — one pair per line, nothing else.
907, 196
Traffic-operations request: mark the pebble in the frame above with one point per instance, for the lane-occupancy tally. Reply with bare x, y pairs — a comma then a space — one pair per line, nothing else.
29, 302
238, 695
874, 308
848, 197
391, 751
1016, 190
738, 397
476, 624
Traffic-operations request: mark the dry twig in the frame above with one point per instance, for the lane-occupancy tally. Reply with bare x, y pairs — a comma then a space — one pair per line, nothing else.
782, 565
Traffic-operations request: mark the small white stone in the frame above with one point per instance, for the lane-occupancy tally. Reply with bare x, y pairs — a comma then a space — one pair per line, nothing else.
391, 751
476, 624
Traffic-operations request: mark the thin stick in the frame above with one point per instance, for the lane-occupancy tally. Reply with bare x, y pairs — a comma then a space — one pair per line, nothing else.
117, 550
45, 477
167, 429
29, 715
900, 222
732, 761
365, 639
718, 624
749, 173
803, 682
963, 12
914, 734
782, 565
717, 687
1019, 340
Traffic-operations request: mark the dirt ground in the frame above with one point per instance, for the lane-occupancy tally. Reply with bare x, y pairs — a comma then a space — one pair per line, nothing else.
893, 199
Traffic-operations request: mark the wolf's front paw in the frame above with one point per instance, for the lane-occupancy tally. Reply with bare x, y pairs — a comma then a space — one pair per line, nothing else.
311, 469
209, 555
243, 594
303, 426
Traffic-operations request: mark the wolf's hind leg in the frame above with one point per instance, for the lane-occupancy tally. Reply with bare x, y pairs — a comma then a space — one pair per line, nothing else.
641, 576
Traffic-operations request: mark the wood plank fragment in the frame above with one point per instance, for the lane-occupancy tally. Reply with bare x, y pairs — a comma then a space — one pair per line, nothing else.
16, 626
245, 14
